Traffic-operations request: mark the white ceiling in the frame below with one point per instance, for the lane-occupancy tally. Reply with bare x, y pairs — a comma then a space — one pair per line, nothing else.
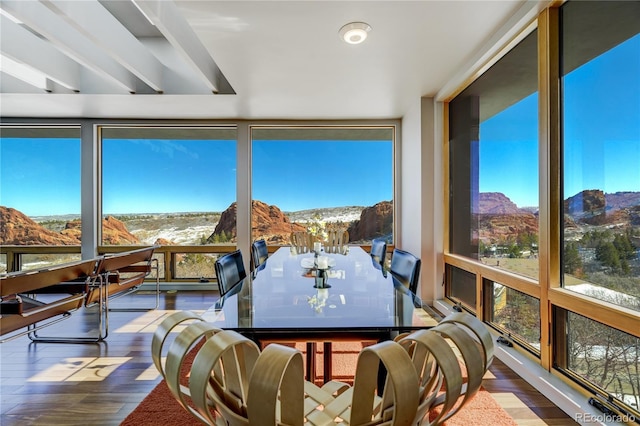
283, 59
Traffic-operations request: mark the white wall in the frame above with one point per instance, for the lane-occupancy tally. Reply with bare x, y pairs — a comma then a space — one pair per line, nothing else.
421, 193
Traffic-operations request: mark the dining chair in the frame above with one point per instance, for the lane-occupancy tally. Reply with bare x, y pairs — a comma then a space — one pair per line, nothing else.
336, 241
405, 267
259, 252
379, 251
229, 271
302, 241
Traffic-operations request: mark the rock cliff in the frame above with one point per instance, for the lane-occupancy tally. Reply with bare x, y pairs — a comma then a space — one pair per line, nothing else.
267, 221
375, 222
16, 228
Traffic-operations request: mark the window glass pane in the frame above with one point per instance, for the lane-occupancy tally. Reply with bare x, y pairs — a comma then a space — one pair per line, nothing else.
601, 149
40, 191
516, 313
493, 130
195, 265
461, 286
168, 185
321, 178
606, 357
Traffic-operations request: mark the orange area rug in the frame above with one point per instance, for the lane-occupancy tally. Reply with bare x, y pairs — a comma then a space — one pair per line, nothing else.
161, 408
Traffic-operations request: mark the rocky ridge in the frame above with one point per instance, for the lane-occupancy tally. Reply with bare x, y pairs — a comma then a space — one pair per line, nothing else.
16, 228
375, 222
267, 221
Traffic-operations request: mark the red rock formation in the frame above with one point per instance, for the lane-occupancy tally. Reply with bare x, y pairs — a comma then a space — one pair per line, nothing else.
375, 221
114, 232
496, 203
267, 222
16, 228
586, 203
501, 228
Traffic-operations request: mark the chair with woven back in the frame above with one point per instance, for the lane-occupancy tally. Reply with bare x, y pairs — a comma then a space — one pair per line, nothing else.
229, 271
302, 241
336, 241
246, 386
232, 382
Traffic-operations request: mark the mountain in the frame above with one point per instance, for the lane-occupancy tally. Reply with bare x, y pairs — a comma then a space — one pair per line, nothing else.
500, 219
267, 221
594, 207
497, 203
16, 228
375, 221
114, 232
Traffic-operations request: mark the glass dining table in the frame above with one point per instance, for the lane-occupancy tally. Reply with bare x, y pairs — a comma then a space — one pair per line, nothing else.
281, 301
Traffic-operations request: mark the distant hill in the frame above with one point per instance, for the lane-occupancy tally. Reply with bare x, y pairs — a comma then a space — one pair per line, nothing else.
500, 219
344, 214
497, 203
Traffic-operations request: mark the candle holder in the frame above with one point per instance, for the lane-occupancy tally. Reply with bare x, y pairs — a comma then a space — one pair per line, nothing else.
321, 279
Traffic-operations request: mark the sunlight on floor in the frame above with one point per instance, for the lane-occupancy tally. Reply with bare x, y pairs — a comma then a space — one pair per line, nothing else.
147, 322
80, 369
517, 409
150, 373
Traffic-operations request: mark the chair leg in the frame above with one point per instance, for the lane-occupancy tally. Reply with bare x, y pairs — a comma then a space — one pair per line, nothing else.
103, 325
157, 291
311, 361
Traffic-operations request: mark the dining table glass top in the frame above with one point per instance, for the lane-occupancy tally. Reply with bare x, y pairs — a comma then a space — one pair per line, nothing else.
282, 296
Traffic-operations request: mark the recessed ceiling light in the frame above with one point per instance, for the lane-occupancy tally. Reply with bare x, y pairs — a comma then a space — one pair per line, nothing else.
354, 32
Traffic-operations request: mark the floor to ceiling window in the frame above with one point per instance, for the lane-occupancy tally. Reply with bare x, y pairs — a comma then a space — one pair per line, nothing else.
39, 192
588, 224
493, 173
169, 186
317, 178
600, 68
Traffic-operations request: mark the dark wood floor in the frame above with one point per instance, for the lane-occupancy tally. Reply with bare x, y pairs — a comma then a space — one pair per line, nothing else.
100, 384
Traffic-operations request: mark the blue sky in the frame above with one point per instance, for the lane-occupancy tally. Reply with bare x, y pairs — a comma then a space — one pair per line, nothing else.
164, 176
299, 176
602, 124
601, 128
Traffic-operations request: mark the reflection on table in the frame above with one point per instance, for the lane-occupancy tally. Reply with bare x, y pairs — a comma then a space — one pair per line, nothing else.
281, 299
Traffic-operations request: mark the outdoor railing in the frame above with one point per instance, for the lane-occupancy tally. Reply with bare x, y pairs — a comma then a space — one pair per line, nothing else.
176, 263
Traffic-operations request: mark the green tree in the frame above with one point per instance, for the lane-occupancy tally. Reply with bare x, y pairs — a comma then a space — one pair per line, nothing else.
622, 243
607, 253
572, 263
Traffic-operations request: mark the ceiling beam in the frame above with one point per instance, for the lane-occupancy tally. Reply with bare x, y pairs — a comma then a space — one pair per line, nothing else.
99, 25
54, 28
169, 20
30, 50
